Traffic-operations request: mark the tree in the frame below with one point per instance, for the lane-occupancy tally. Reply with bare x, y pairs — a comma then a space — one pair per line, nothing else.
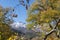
5, 19
44, 11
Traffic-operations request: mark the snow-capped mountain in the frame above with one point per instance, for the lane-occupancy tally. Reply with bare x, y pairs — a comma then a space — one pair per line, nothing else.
21, 29
17, 25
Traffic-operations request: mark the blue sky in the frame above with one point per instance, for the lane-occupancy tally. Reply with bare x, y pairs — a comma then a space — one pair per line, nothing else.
20, 10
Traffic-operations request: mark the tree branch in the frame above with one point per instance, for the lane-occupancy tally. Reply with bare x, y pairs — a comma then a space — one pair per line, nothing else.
53, 30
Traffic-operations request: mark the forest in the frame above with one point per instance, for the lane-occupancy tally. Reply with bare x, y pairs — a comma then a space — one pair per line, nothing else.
42, 21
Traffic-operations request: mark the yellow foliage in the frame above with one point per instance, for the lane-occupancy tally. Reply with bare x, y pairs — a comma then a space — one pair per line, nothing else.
4, 28
12, 38
50, 10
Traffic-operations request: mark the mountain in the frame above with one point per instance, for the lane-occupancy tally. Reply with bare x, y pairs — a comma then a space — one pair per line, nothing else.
21, 29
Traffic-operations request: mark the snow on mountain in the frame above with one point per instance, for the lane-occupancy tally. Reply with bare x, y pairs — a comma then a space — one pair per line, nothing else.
18, 24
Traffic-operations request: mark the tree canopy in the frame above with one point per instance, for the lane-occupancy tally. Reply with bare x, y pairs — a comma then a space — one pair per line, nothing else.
44, 11
5, 19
